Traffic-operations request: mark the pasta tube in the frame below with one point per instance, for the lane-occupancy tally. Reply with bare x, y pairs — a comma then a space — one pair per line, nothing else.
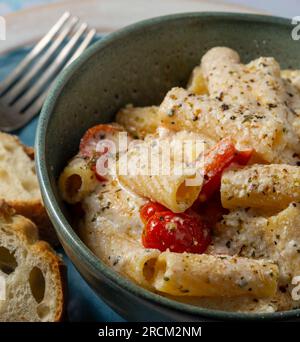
293, 76
282, 232
122, 253
181, 109
214, 276
171, 183
76, 181
139, 121
261, 186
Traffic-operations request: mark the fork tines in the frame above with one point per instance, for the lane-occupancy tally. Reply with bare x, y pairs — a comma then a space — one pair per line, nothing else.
25, 89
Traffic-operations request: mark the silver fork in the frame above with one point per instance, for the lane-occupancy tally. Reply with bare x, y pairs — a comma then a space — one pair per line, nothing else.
20, 101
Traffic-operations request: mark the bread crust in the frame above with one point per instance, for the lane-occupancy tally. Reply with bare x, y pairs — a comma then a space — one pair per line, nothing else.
36, 212
33, 209
27, 233
59, 270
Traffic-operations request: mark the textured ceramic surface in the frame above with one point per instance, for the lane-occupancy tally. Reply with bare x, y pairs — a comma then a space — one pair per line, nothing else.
138, 65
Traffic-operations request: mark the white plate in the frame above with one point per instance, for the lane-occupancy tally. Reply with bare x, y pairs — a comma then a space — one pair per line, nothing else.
27, 26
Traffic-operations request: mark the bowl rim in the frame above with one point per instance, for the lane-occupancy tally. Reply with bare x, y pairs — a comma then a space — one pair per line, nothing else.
94, 264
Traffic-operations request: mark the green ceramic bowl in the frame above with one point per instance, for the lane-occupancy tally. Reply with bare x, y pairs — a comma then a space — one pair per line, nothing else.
138, 65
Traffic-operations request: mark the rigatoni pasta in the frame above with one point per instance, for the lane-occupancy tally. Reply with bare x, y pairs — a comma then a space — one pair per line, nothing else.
76, 181
293, 76
282, 233
219, 226
181, 109
214, 276
272, 186
122, 253
166, 186
139, 121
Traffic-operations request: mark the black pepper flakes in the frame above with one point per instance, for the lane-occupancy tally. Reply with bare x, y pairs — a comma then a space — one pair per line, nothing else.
272, 105
220, 97
224, 106
116, 261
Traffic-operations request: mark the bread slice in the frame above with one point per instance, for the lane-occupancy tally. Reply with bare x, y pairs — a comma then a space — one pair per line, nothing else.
34, 276
19, 185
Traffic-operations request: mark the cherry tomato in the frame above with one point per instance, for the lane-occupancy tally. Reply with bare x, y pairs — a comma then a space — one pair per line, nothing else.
216, 161
100, 178
92, 136
243, 157
177, 232
211, 210
89, 142
149, 209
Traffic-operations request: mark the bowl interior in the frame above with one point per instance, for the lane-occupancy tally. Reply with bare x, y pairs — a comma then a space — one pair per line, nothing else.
139, 65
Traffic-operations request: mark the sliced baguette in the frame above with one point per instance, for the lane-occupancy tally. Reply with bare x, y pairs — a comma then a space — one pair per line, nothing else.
34, 276
19, 185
